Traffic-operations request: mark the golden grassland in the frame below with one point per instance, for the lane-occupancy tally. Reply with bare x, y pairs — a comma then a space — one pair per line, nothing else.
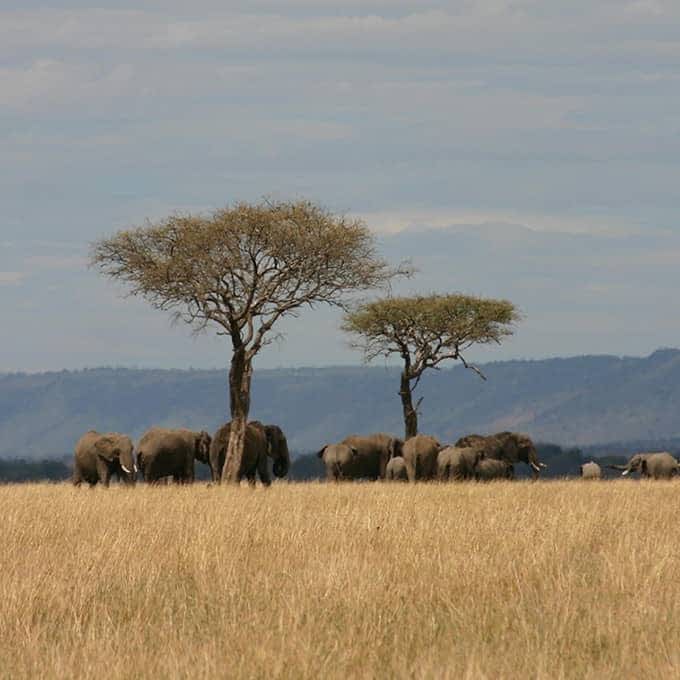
506, 580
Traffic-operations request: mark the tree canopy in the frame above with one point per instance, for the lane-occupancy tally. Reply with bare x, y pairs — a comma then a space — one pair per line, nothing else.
426, 330
242, 269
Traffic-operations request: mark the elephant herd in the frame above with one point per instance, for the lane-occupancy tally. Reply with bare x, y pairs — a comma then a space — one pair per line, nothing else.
654, 465
423, 458
163, 453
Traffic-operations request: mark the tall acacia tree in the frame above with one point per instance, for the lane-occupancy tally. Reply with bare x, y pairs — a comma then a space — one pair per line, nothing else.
242, 269
425, 331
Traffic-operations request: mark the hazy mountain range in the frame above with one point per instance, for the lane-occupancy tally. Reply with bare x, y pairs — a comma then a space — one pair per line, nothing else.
587, 401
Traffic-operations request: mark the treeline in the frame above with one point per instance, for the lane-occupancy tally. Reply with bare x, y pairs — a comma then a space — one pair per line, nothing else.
562, 462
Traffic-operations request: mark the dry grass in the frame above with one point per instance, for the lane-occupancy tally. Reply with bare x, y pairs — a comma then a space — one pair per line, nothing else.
547, 580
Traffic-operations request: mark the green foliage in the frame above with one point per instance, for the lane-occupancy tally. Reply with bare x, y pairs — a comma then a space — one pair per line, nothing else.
20, 470
428, 329
244, 263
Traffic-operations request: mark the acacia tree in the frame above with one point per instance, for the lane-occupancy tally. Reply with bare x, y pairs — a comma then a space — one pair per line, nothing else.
426, 331
242, 269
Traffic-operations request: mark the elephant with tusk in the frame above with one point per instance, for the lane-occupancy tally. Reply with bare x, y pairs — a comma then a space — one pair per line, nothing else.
164, 453
659, 465
513, 447
98, 456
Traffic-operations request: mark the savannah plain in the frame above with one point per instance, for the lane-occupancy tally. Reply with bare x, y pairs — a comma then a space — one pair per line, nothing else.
562, 579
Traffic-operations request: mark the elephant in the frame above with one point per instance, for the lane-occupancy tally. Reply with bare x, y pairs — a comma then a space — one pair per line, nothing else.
170, 453
458, 463
396, 470
262, 442
590, 470
513, 447
420, 457
659, 465
373, 452
98, 456
488, 469
341, 461
470, 440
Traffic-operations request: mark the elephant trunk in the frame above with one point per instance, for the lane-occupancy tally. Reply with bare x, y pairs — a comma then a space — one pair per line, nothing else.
532, 459
128, 467
282, 462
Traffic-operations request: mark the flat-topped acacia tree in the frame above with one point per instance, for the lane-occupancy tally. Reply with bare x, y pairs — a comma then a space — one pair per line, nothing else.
426, 331
242, 269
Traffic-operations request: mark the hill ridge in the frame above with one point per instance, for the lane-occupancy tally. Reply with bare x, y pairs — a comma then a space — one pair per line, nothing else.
582, 401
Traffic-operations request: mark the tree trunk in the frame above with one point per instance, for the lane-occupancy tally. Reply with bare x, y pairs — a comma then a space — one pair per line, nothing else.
240, 375
410, 414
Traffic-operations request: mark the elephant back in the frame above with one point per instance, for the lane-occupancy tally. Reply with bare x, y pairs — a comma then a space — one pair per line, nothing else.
420, 456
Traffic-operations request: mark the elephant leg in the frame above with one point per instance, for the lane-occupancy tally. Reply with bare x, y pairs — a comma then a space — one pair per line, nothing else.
263, 471
188, 472
103, 472
410, 472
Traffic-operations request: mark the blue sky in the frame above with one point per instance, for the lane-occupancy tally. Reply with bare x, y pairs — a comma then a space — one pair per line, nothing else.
534, 144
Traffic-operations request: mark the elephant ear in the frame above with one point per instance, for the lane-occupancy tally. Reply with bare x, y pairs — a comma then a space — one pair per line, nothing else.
355, 451
275, 440
396, 447
202, 447
511, 446
107, 448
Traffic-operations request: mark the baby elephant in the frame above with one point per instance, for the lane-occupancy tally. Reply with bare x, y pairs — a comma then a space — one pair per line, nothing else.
396, 470
490, 468
591, 470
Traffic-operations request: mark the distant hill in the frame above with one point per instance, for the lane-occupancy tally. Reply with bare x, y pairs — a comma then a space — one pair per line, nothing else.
585, 401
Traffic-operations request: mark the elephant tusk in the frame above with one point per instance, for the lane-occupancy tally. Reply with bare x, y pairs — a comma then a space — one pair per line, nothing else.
134, 467
535, 467
624, 473
125, 469
543, 465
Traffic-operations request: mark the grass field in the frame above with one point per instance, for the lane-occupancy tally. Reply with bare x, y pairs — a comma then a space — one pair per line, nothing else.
506, 580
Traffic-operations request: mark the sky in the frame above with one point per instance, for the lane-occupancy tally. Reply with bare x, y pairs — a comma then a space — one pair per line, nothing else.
524, 149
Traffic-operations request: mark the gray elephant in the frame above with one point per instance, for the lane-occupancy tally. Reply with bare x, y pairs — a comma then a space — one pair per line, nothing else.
660, 465
513, 447
98, 456
164, 452
489, 469
262, 442
590, 470
396, 470
456, 463
373, 452
341, 461
420, 457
